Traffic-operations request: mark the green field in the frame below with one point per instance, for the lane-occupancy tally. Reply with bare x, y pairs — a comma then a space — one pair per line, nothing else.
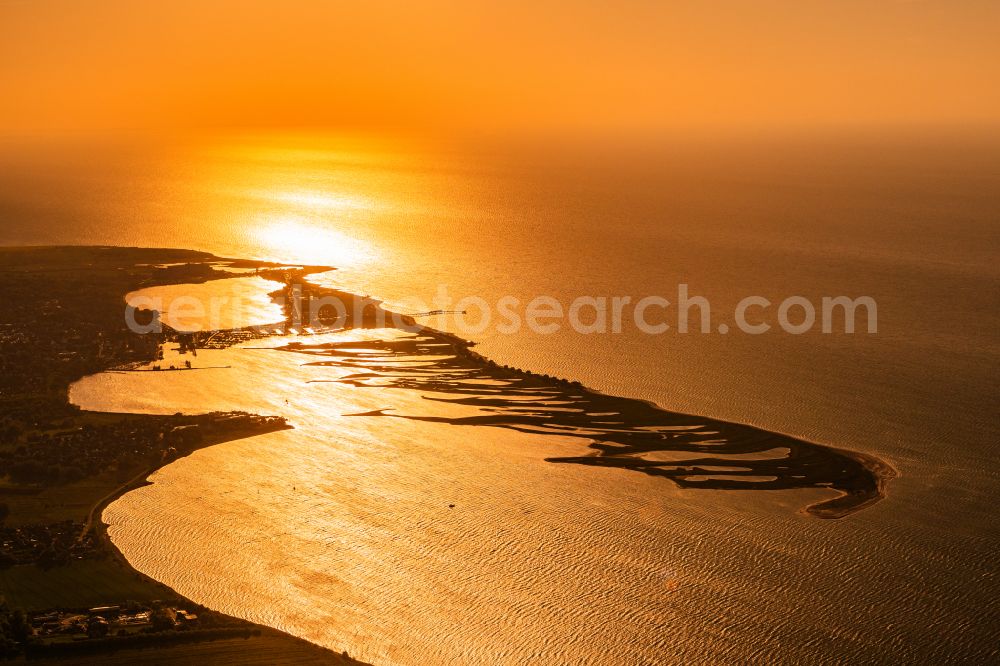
82, 584
66, 502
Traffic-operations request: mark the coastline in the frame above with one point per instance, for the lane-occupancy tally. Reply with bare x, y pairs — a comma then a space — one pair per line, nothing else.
36, 387
838, 507
631, 434
304, 649
96, 523
849, 501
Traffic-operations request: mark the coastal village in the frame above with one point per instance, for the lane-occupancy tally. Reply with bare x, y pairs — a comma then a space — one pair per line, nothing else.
74, 632
65, 591
101, 621
47, 446
69, 454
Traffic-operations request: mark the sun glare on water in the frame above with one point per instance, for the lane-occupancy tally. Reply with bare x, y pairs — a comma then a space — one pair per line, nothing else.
310, 226
291, 238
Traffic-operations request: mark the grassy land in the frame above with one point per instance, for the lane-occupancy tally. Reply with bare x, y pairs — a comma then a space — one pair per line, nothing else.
70, 501
82, 584
64, 502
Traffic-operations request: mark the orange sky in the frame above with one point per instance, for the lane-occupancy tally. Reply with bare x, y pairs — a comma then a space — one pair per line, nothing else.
67, 65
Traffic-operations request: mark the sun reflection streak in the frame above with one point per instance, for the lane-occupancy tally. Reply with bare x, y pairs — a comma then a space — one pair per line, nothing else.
291, 237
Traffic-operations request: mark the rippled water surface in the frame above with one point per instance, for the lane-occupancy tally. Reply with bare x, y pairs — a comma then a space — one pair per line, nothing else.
340, 530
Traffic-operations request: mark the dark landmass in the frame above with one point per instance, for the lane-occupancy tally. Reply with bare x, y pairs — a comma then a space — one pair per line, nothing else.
61, 318
691, 451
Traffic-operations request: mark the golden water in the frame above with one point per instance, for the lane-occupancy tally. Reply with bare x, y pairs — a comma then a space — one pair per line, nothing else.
340, 530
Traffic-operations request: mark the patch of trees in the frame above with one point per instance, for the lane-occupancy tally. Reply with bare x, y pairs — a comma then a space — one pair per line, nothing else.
14, 631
